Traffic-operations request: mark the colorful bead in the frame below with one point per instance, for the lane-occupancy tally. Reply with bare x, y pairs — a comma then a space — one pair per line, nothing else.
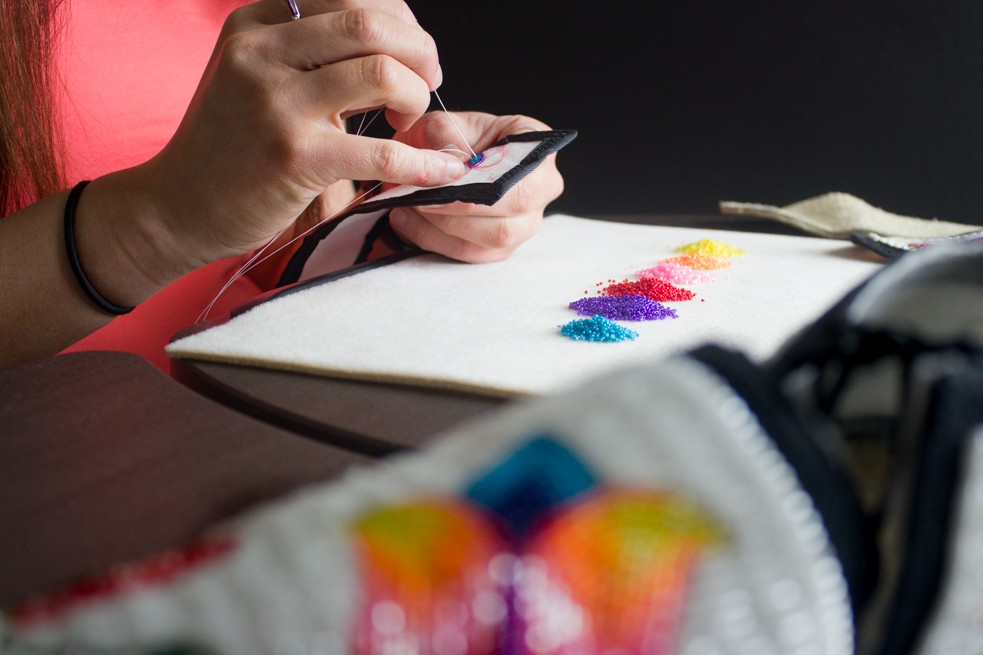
152, 572
429, 574
651, 288
586, 567
531, 483
698, 262
597, 328
675, 274
623, 308
623, 559
710, 248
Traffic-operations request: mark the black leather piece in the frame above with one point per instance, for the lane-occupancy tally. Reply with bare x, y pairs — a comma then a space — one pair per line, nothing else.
482, 193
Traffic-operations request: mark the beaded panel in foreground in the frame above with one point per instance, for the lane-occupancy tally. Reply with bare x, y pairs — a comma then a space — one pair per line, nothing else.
648, 512
534, 562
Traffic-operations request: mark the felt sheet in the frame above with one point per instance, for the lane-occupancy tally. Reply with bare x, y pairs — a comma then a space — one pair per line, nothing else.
838, 215
494, 328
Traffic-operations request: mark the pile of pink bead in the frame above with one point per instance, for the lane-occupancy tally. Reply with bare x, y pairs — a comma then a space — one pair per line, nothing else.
676, 274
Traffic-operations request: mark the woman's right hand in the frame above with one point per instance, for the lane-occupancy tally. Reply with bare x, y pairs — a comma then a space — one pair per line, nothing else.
264, 136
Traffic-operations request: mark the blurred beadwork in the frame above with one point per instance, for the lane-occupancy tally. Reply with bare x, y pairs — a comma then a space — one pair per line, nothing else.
611, 573
426, 580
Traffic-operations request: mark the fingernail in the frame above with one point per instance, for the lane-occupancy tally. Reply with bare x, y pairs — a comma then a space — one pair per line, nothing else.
453, 167
440, 77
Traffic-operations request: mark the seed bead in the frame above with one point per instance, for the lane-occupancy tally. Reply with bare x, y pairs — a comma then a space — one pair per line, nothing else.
698, 262
651, 288
711, 248
623, 308
676, 274
597, 328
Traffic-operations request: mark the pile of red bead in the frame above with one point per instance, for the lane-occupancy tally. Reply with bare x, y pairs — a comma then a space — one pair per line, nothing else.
652, 288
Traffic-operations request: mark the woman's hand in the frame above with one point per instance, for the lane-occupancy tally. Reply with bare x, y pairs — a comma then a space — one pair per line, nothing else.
470, 232
264, 136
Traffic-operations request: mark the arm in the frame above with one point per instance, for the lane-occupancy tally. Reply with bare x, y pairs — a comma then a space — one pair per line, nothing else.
42, 307
262, 140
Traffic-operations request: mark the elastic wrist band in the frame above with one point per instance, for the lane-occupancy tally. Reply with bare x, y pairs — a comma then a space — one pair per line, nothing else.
73, 256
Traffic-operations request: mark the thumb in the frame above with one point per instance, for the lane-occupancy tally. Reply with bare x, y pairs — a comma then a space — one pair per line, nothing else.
350, 157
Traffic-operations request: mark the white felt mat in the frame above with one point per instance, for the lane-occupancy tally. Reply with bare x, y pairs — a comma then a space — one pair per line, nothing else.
495, 327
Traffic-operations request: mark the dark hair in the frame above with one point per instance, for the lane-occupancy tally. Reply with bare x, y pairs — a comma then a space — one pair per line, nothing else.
29, 165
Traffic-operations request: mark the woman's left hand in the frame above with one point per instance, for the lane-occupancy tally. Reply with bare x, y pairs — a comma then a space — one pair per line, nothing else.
469, 232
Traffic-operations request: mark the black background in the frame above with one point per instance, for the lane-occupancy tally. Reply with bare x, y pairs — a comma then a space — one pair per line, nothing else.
682, 104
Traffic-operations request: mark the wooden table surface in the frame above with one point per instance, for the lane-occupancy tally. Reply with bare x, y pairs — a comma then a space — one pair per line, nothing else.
365, 417
375, 418
106, 459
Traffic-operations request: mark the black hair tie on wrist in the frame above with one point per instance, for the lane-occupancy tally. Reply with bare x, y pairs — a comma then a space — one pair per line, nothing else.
73, 256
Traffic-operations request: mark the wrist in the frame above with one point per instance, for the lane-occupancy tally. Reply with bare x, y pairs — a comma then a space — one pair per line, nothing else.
124, 245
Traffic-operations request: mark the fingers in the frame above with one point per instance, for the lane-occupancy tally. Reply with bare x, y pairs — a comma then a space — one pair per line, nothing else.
342, 58
339, 156
362, 84
274, 12
326, 39
487, 239
435, 130
470, 232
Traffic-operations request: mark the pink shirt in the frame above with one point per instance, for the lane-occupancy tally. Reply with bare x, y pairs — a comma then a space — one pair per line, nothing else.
128, 71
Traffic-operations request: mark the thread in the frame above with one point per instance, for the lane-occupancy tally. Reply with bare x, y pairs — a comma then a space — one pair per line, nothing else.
253, 263
474, 155
457, 150
362, 126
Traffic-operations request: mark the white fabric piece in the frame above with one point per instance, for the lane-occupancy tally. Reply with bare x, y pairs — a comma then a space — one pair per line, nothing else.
340, 248
837, 215
494, 328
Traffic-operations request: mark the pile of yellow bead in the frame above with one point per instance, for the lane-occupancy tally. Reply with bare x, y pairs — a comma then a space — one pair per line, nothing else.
710, 248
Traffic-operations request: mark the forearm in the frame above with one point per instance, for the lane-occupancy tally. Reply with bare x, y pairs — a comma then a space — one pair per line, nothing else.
42, 307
